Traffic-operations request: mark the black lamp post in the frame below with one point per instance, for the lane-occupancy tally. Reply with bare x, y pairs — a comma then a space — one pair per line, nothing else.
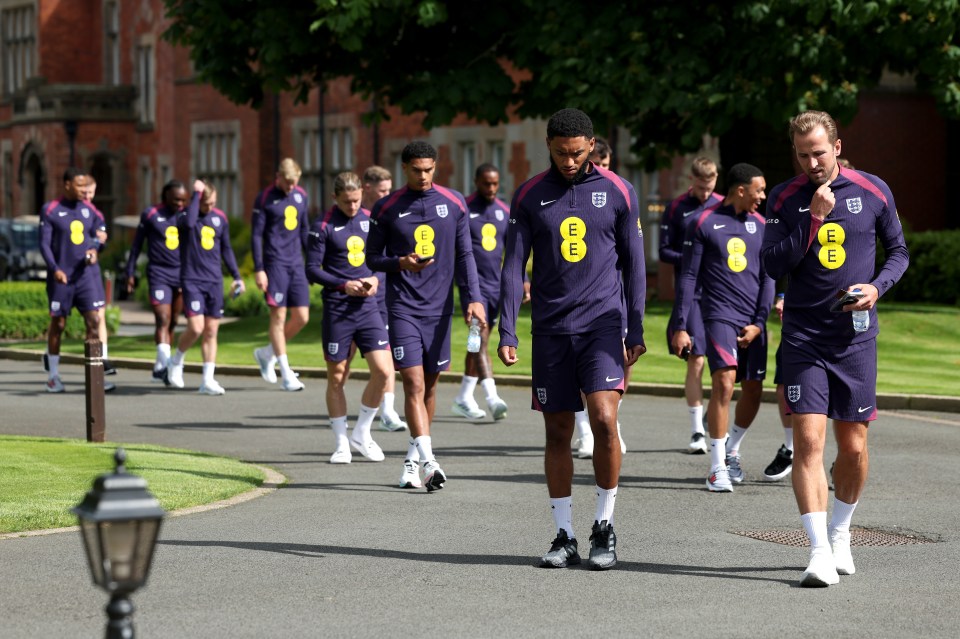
119, 521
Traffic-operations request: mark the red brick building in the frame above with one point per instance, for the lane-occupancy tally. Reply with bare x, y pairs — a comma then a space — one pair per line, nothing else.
92, 83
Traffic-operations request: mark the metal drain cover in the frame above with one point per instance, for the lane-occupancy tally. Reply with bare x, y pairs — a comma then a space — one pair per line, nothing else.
858, 537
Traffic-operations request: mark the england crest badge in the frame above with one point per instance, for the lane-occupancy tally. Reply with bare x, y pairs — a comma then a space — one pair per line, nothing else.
333, 348
499, 215
599, 199
854, 205
751, 227
442, 210
793, 393
365, 226
398, 353
542, 395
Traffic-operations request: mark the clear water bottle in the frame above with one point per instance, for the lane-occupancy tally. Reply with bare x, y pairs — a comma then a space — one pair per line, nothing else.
861, 319
473, 337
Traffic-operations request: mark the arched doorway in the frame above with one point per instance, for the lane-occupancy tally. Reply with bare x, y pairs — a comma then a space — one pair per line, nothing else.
32, 180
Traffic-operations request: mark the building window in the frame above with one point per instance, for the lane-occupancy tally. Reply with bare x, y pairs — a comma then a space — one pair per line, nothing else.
217, 161
308, 149
102, 170
7, 172
111, 43
19, 42
146, 84
339, 151
146, 184
468, 164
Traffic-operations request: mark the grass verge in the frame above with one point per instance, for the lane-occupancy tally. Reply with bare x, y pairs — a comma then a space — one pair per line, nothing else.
41, 478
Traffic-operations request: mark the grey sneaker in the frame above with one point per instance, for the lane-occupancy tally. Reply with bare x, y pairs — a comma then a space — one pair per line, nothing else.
603, 546
562, 553
733, 466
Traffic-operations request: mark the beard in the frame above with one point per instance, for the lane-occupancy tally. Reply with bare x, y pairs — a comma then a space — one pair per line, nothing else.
577, 176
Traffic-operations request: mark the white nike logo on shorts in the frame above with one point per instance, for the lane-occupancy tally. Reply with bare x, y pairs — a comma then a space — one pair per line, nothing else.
405, 214
613, 379
863, 410
689, 213
542, 203
443, 362
381, 342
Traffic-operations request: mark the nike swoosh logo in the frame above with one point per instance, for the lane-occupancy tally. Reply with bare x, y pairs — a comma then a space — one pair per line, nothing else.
689, 213
805, 210
863, 410
62, 213
405, 214
161, 219
339, 228
542, 203
613, 379
718, 226
443, 362
381, 342
761, 372
474, 215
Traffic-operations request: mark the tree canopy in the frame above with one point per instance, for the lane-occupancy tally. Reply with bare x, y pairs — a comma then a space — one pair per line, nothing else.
670, 71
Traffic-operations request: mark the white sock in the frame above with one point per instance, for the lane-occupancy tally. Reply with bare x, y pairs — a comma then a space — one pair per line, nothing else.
583, 423
467, 386
788, 438
53, 361
718, 455
386, 406
425, 448
842, 514
413, 453
361, 432
339, 426
103, 350
696, 419
177, 359
815, 524
285, 369
605, 502
208, 368
489, 389
737, 433
163, 355
562, 511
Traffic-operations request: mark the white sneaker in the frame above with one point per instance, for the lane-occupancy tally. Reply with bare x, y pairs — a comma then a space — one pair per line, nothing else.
211, 388
585, 447
291, 384
498, 408
266, 365
464, 409
368, 449
433, 476
733, 462
174, 376
821, 572
840, 543
410, 478
54, 385
341, 456
623, 444
719, 481
109, 386
392, 423
698, 444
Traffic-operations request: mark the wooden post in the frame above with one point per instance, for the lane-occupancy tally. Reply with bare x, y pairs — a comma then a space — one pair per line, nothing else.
93, 373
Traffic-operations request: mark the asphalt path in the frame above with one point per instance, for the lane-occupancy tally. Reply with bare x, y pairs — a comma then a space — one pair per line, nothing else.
341, 551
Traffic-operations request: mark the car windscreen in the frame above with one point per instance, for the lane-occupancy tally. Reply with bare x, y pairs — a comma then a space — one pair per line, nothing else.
26, 237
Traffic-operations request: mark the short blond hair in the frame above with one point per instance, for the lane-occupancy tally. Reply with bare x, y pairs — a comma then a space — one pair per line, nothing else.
346, 181
289, 170
703, 168
376, 174
810, 120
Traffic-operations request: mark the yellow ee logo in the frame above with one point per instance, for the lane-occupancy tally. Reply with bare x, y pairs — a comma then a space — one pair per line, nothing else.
355, 248
172, 238
573, 248
207, 236
76, 232
290, 217
736, 255
423, 241
831, 237
489, 237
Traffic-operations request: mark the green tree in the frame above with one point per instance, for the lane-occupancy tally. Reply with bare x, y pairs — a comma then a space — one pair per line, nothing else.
668, 70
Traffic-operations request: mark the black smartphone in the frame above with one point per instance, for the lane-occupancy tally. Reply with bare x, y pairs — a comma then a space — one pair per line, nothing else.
685, 353
844, 298
366, 285
421, 260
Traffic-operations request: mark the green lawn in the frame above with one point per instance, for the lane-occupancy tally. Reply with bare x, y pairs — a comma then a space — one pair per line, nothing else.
919, 348
41, 479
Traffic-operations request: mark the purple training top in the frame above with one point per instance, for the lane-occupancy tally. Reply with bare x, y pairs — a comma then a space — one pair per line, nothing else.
431, 223
158, 226
68, 228
279, 227
822, 258
488, 225
205, 240
337, 253
584, 237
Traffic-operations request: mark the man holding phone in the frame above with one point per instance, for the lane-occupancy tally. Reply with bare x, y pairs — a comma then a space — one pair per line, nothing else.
822, 230
419, 236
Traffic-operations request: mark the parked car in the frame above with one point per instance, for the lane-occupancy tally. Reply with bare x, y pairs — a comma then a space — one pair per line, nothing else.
20, 257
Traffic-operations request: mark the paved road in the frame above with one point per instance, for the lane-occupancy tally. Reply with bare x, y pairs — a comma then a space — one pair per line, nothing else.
340, 551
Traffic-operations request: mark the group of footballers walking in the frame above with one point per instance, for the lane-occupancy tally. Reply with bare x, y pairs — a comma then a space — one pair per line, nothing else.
387, 261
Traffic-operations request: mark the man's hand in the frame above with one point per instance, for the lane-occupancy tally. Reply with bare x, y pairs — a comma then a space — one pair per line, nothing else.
131, 283
869, 299
60, 276
632, 354
508, 355
412, 263
91, 256
747, 334
355, 288
778, 307
475, 309
681, 340
823, 202
526, 293
260, 278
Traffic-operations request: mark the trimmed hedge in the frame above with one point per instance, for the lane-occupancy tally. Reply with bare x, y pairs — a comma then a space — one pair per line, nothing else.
24, 314
934, 272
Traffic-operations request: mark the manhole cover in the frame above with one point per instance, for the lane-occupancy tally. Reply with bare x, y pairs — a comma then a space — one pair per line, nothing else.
858, 537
